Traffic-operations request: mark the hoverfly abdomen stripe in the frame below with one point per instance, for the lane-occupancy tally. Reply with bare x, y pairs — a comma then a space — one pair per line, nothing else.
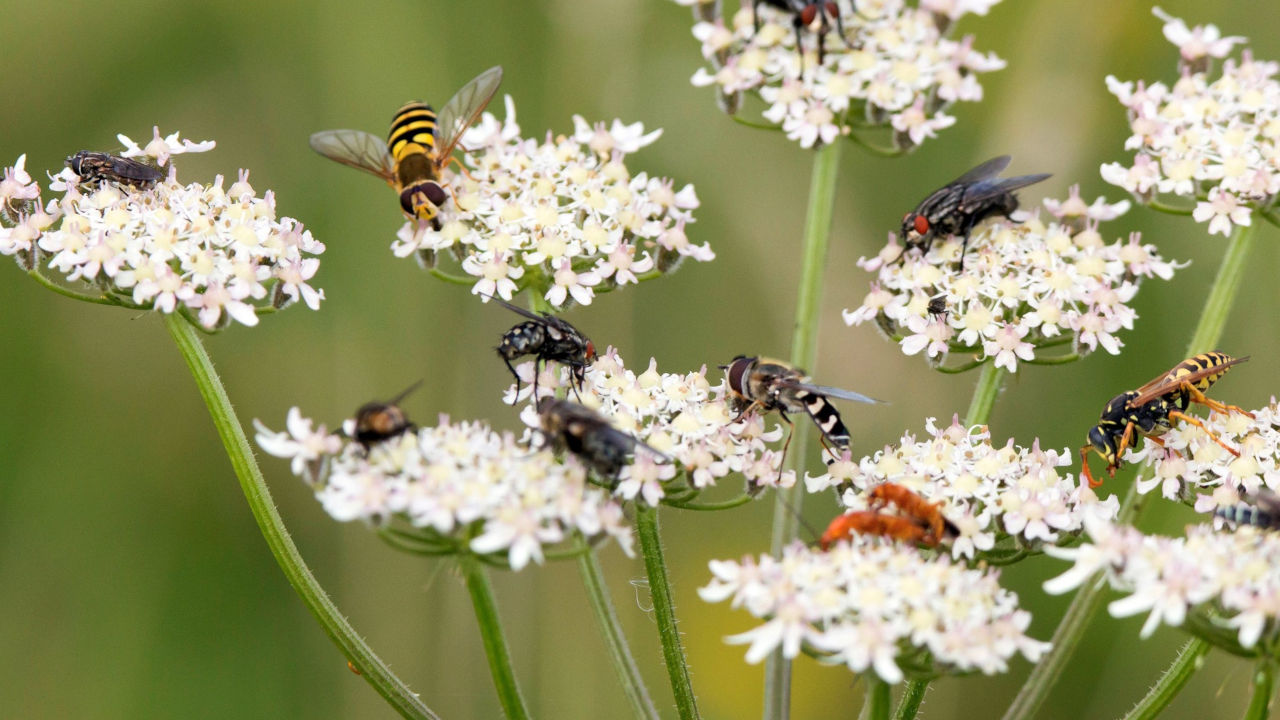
412, 130
824, 414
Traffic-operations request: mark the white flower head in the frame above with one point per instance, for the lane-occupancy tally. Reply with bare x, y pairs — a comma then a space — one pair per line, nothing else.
1223, 586
564, 212
1002, 501
885, 63
1211, 138
1024, 288
450, 484
874, 606
217, 254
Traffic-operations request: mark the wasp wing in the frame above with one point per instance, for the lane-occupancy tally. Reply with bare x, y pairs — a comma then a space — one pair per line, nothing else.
463, 109
985, 171
835, 392
1167, 382
985, 190
357, 149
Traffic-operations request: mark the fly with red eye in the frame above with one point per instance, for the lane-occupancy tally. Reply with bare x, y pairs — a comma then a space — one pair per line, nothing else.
957, 207
548, 339
804, 13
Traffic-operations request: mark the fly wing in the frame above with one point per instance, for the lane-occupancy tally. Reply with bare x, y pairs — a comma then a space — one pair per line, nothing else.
517, 309
835, 392
985, 171
463, 109
134, 170
357, 149
987, 189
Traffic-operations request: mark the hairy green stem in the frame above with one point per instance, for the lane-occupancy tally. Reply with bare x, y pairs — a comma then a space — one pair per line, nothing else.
1213, 319
360, 655
912, 695
495, 644
804, 351
664, 610
1263, 687
875, 706
984, 395
1189, 659
619, 652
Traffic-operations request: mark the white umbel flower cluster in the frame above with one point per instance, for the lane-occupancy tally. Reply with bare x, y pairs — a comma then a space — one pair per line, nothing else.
681, 415
1192, 464
454, 483
1223, 586
1025, 287
878, 606
564, 215
1004, 501
218, 253
1211, 138
895, 68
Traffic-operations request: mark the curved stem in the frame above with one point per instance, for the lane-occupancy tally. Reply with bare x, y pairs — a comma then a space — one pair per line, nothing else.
712, 506
875, 149
1189, 659
623, 662
451, 278
912, 695
495, 644
1263, 687
1223, 293
39, 277
758, 126
957, 369
875, 706
984, 395
804, 351
664, 610
360, 655
1058, 360
1168, 209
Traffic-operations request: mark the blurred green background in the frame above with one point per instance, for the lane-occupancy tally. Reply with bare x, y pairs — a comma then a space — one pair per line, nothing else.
133, 580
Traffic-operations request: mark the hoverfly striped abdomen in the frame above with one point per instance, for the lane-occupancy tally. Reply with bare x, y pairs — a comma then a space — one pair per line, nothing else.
413, 131
412, 143
1264, 512
825, 416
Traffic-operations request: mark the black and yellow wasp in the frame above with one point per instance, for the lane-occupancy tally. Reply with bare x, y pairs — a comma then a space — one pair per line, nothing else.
378, 421
1150, 410
418, 146
566, 425
764, 384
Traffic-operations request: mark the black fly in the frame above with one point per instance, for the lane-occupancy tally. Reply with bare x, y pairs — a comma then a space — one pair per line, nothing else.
566, 425
549, 339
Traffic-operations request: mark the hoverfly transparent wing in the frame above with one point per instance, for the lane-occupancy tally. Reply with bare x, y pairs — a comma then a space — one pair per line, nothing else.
835, 392
985, 171
357, 149
462, 110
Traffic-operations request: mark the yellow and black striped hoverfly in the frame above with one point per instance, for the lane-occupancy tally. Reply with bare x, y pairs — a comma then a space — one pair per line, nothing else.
1150, 410
419, 145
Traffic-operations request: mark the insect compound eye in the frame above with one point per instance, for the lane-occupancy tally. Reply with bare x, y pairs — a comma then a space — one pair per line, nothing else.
809, 13
591, 350
833, 9
921, 224
1101, 442
737, 370
435, 194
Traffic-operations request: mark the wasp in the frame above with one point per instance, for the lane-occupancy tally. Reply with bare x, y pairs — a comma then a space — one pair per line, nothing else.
803, 14
378, 421
924, 513
1150, 410
566, 425
418, 147
549, 339
95, 167
1263, 513
764, 384
957, 207
869, 522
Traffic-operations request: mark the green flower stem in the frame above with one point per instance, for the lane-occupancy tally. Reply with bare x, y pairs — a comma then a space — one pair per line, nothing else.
664, 610
912, 695
451, 278
623, 662
804, 351
1089, 598
984, 395
495, 645
1189, 659
1263, 687
360, 655
875, 706
83, 297
713, 506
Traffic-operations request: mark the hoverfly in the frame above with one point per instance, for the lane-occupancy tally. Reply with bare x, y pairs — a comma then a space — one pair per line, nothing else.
961, 204
1263, 513
378, 421
95, 167
548, 339
803, 14
869, 522
927, 514
582, 431
418, 146
764, 384
1150, 410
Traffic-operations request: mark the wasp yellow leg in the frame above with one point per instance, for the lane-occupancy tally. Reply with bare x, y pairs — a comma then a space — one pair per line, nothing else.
1126, 442
1175, 415
1199, 397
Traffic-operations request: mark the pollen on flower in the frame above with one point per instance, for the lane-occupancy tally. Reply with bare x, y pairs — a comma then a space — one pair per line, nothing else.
451, 483
1025, 288
871, 605
1210, 137
564, 211
1004, 500
173, 247
895, 66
